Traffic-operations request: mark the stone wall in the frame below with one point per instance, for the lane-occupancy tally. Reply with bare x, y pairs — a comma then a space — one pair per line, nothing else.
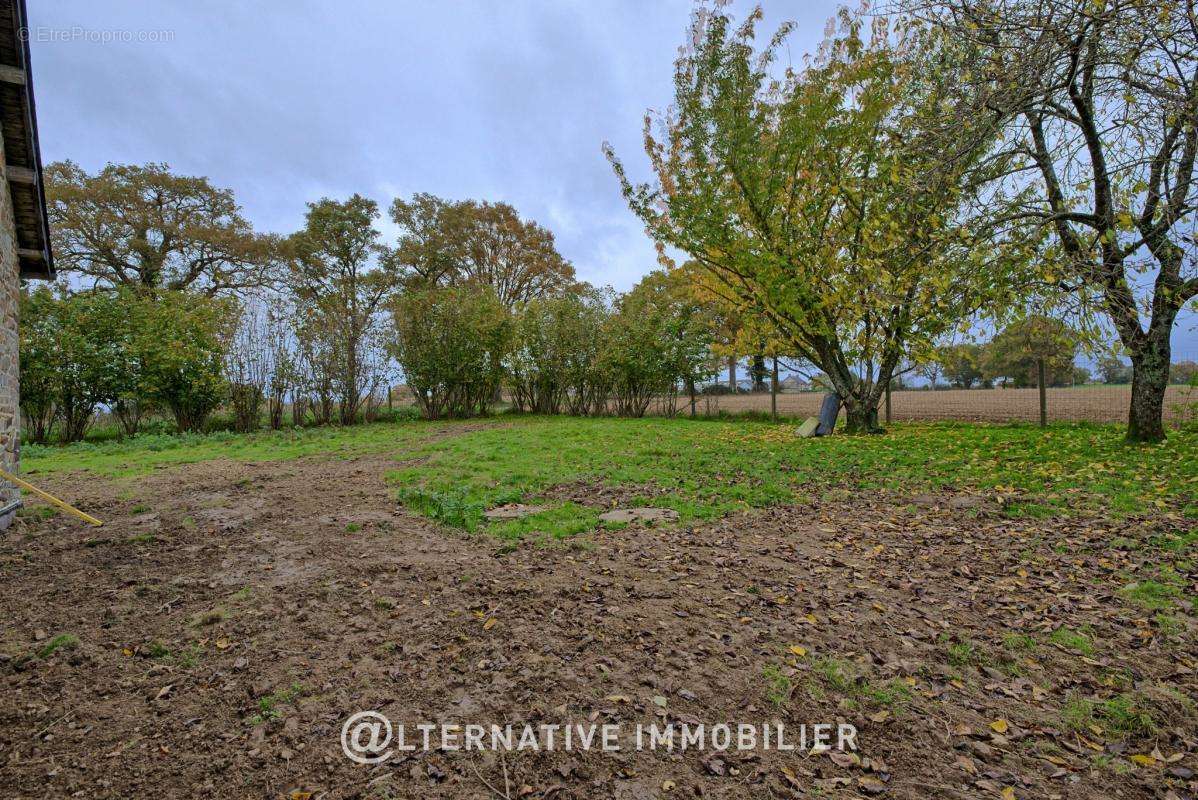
10, 417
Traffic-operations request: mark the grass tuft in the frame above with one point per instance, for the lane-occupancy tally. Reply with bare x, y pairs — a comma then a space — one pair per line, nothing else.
1073, 640
63, 641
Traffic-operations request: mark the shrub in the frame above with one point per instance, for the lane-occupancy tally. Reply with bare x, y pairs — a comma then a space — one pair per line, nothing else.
554, 361
451, 344
75, 356
658, 339
181, 343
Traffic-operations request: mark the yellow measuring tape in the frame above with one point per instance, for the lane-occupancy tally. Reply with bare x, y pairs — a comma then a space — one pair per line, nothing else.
49, 498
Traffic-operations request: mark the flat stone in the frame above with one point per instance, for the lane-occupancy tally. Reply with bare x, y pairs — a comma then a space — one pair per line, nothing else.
964, 502
808, 428
513, 511
640, 515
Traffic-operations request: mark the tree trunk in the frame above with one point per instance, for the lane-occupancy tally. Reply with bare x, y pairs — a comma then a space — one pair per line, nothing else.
1150, 379
774, 391
861, 419
732, 373
1042, 386
757, 372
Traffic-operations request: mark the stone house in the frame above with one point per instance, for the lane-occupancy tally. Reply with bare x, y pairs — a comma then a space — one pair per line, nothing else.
24, 233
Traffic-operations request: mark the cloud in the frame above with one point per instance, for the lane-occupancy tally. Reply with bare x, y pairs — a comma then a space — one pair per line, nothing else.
285, 103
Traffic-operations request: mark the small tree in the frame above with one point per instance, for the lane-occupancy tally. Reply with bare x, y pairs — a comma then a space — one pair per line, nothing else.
39, 333
587, 386
451, 344
825, 199
93, 358
285, 370
1183, 372
544, 340
248, 367
75, 357
657, 341
930, 369
342, 285
181, 341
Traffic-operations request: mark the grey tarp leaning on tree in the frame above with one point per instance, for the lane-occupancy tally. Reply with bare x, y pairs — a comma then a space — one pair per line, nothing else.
828, 411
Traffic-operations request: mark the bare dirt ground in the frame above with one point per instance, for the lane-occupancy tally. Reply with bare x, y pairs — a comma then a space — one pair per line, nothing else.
230, 617
1080, 404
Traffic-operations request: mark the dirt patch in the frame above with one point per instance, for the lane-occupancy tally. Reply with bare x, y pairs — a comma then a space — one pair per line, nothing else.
593, 492
513, 511
230, 617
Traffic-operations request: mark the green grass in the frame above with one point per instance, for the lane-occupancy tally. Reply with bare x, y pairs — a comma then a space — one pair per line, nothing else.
704, 469
1019, 642
1122, 715
268, 705
849, 681
141, 454
963, 654
213, 616
700, 468
778, 685
1152, 595
63, 641
1073, 640
156, 649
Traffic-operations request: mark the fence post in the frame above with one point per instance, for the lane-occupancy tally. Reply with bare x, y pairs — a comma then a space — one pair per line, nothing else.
887, 402
1043, 392
774, 391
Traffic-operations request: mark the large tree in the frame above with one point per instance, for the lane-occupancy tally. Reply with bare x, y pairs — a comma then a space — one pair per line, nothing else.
341, 284
453, 243
1102, 102
147, 228
823, 198
1016, 351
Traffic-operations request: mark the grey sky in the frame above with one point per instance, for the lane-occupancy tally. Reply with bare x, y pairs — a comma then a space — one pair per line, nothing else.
285, 102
